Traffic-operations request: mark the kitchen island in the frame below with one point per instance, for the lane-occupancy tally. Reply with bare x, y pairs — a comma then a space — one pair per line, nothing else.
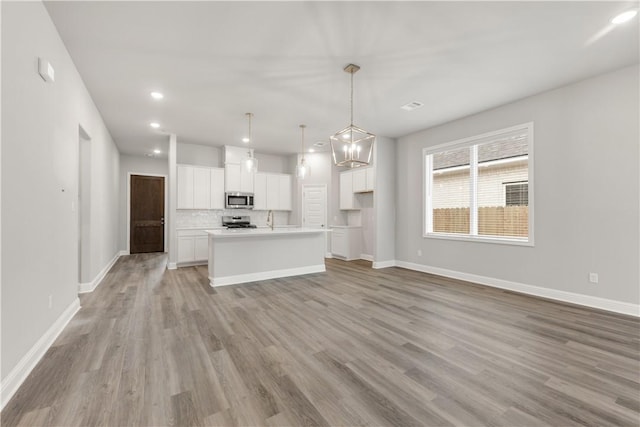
248, 255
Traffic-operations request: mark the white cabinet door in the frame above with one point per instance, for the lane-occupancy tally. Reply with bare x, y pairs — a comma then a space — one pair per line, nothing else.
217, 188
232, 177
338, 242
246, 180
359, 180
346, 190
201, 248
186, 249
284, 193
371, 179
273, 190
346, 243
260, 192
185, 187
201, 188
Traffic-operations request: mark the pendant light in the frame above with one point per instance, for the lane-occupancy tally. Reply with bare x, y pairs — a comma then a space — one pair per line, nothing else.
250, 162
352, 146
302, 169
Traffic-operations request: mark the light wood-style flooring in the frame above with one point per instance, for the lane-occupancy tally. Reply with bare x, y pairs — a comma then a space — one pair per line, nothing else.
350, 347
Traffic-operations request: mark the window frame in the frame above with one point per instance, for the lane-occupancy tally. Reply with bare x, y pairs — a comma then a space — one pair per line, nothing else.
472, 143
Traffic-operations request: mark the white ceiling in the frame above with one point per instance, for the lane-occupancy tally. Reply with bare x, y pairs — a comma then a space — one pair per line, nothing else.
283, 61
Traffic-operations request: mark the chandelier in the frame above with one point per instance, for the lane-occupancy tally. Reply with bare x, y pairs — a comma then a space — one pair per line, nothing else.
302, 168
352, 146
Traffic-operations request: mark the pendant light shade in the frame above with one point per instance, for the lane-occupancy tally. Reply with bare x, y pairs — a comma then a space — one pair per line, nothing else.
352, 146
250, 162
302, 168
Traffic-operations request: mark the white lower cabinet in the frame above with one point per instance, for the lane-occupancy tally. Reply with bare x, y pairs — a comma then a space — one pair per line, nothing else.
346, 242
193, 247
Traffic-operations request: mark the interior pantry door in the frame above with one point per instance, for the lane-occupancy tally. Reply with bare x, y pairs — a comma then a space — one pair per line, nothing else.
147, 214
314, 206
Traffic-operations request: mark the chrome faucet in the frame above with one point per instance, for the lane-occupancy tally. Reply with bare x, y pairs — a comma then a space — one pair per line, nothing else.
270, 219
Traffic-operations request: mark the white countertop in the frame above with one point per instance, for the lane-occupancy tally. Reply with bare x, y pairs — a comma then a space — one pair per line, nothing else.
266, 231
346, 226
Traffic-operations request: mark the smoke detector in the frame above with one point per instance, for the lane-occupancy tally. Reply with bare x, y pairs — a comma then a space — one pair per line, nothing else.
413, 105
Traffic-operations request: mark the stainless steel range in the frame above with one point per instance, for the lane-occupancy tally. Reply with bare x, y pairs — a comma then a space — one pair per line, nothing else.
237, 221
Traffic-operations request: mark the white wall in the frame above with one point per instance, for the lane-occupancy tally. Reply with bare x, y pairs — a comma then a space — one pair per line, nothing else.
40, 170
385, 200
136, 165
200, 155
586, 162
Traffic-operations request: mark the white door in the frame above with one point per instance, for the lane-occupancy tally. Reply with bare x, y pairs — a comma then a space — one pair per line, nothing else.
314, 206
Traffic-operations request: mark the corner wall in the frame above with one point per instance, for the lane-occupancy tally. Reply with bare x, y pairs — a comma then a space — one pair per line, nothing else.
586, 160
40, 173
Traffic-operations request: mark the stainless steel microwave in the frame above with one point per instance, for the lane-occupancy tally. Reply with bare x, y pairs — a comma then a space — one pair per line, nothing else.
238, 200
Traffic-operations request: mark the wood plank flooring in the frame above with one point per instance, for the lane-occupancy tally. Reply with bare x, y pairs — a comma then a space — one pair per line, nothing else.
350, 347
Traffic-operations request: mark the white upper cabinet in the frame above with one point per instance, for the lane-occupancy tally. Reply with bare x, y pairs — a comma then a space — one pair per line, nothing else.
200, 187
185, 187
260, 192
371, 179
360, 180
272, 192
284, 195
347, 199
363, 179
237, 177
217, 188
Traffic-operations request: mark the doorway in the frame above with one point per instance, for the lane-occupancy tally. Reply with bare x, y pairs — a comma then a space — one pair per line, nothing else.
146, 220
314, 207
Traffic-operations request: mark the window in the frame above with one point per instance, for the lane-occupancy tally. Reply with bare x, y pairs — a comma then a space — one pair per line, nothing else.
516, 194
479, 188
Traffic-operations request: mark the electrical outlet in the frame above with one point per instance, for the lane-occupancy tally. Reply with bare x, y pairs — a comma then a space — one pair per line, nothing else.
593, 277
50, 301
419, 252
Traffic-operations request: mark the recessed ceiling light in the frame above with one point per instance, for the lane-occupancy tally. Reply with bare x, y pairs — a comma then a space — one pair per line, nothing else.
311, 150
156, 151
624, 17
154, 125
245, 139
413, 105
157, 95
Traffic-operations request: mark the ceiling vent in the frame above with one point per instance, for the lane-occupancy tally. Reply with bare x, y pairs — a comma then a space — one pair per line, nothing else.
320, 143
412, 106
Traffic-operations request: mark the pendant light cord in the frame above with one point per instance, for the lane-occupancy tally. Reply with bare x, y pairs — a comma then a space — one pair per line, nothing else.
302, 141
351, 97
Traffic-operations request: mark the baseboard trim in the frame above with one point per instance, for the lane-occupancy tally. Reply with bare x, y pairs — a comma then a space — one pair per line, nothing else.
554, 294
265, 275
21, 371
124, 252
328, 255
384, 264
91, 286
172, 266
366, 257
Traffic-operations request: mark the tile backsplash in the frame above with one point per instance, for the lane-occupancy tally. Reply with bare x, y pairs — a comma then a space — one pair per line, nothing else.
190, 218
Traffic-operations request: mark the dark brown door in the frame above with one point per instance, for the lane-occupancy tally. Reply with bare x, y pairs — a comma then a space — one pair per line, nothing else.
147, 214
